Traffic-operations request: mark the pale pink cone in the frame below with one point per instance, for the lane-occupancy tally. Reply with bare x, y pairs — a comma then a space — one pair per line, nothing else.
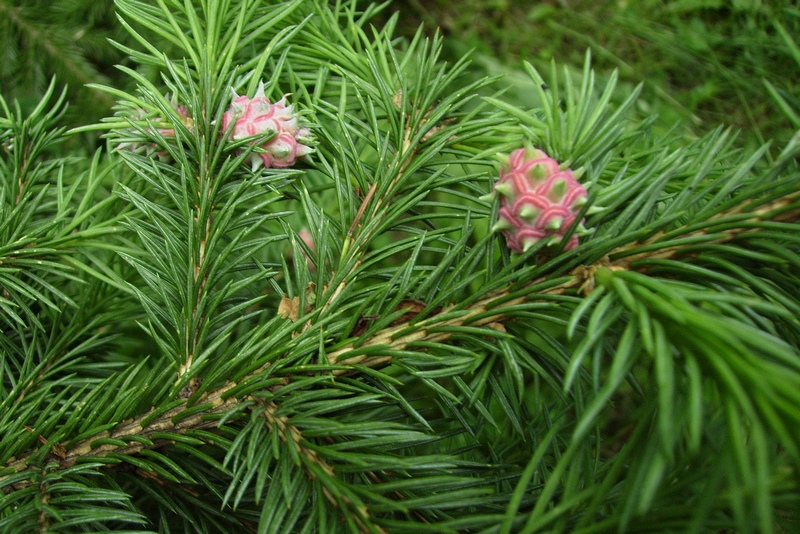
256, 116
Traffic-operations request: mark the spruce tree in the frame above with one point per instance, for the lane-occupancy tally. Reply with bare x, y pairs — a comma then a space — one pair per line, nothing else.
203, 334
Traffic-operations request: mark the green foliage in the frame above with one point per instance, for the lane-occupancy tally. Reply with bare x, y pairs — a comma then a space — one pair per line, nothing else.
62, 38
702, 61
176, 356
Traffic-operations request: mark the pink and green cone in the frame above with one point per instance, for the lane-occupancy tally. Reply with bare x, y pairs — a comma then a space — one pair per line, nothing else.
538, 200
151, 149
256, 116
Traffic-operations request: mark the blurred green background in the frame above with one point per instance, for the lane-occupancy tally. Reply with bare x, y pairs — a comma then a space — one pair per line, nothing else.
703, 62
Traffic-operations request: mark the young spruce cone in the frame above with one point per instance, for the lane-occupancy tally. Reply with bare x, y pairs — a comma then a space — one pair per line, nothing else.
257, 117
538, 200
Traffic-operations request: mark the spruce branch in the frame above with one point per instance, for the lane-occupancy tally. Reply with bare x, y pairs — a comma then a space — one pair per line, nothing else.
153, 429
742, 221
394, 368
180, 424
487, 314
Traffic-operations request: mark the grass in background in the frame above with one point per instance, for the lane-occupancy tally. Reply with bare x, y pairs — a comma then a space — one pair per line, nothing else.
703, 62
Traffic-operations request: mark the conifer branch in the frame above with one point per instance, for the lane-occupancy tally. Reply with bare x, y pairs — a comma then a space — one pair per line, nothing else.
745, 218
144, 428
157, 428
313, 464
401, 368
487, 312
